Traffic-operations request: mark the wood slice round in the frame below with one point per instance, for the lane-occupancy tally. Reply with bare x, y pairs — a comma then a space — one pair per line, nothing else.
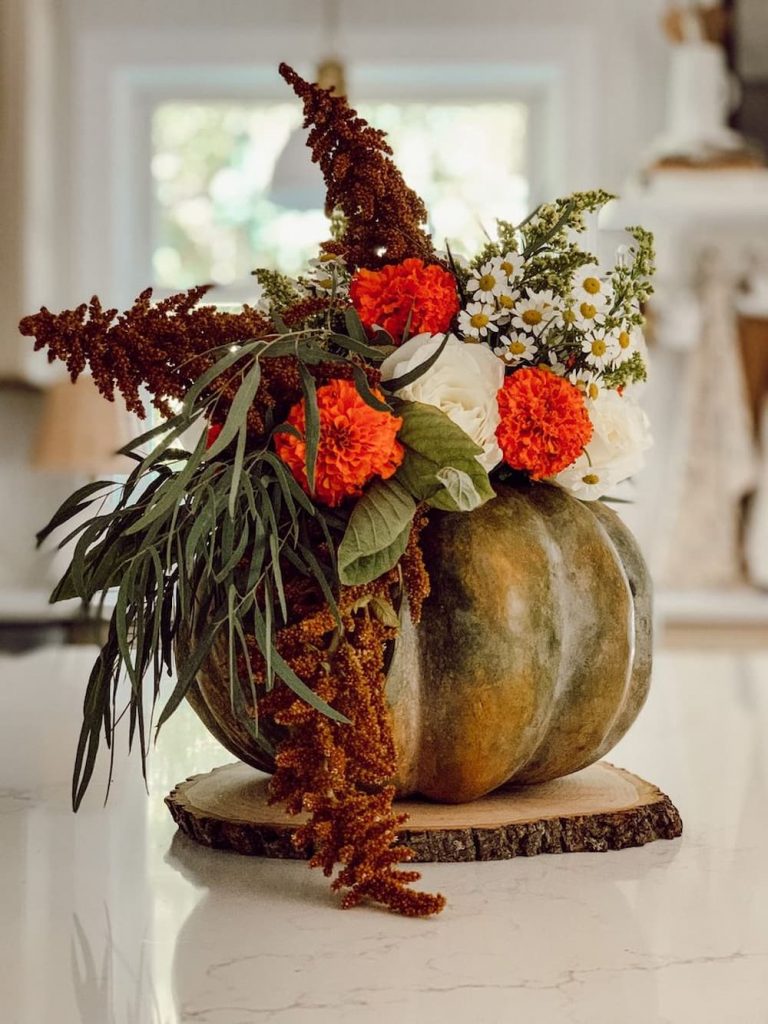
599, 808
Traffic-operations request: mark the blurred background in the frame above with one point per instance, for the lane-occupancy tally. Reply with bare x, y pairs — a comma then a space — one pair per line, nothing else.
154, 143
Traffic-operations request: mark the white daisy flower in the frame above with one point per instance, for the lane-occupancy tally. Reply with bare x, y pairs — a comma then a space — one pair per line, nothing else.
511, 264
506, 302
325, 272
600, 349
624, 346
477, 320
585, 481
587, 382
587, 314
518, 348
555, 365
588, 287
488, 282
565, 317
535, 312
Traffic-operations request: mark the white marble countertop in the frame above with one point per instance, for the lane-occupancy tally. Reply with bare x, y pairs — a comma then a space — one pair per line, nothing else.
108, 917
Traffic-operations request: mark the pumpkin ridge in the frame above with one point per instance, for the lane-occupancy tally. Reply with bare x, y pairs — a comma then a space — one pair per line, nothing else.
580, 712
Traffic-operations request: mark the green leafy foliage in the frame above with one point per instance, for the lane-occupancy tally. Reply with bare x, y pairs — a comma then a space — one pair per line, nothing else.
377, 532
440, 465
192, 546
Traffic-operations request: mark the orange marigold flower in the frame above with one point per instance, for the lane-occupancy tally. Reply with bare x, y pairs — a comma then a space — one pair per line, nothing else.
544, 422
356, 443
389, 297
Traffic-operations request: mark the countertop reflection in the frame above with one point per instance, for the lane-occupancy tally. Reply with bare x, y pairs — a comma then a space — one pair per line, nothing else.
109, 917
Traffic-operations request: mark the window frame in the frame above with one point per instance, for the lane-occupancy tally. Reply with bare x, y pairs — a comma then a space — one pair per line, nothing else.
122, 76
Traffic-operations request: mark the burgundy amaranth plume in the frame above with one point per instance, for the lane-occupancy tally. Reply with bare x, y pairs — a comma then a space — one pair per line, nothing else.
384, 217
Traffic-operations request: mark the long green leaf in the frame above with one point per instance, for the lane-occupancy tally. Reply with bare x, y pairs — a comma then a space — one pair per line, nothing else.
172, 491
364, 390
73, 506
395, 383
376, 354
238, 411
289, 677
312, 423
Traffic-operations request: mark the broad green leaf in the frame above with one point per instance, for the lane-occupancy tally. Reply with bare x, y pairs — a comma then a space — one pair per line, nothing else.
377, 532
434, 443
460, 488
384, 612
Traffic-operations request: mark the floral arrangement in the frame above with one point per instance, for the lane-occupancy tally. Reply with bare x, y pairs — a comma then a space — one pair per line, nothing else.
329, 421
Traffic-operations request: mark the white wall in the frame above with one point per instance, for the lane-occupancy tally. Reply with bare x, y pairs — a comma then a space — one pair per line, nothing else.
29, 497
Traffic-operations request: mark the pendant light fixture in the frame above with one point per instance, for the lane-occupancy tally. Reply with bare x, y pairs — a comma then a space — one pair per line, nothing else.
297, 183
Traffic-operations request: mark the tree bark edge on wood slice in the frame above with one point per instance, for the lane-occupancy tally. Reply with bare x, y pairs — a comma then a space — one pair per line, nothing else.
598, 809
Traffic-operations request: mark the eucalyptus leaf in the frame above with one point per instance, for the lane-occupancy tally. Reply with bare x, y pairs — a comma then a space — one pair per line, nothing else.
363, 348
289, 677
395, 383
238, 411
355, 325
73, 506
312, 423
364, 390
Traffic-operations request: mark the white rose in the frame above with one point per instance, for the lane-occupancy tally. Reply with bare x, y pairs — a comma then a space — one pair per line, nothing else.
462, 383
620, 436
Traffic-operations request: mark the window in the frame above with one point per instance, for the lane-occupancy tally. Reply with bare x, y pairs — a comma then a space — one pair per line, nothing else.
216, 217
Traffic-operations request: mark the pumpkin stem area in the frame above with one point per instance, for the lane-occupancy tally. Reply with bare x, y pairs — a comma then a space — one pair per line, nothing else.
340, 773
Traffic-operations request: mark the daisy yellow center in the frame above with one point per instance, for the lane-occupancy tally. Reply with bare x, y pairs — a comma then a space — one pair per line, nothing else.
569, 316
325, 282
506, 267
588, 311
532, 317
506, 301
591, 285
598, 347
591, 479
486, 283
479, 320
624, 340
593, 390
517, 348
327, 257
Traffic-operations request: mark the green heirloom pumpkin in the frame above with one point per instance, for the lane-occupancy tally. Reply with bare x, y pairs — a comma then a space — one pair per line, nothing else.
532, 658
533, 655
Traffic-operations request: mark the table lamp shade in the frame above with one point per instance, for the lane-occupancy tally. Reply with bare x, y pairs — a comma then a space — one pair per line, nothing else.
80, 431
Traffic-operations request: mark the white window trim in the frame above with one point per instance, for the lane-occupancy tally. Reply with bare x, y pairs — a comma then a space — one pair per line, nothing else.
120, 77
